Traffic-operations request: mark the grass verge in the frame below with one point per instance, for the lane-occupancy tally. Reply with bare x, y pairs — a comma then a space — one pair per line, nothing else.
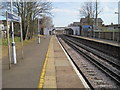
17, 43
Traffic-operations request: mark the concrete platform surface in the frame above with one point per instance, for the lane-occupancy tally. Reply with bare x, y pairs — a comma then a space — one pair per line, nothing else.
59, 72
26, 73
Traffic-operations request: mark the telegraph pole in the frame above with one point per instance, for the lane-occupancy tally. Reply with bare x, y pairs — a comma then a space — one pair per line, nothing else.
14, 61
96, 21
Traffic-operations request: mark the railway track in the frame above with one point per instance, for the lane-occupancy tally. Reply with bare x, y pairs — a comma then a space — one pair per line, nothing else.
97, 58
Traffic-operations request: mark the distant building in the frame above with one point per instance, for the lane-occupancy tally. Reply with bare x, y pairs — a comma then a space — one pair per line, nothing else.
86, 26
16, 28
84, 21
75, 24
1, 25
3, 28
73, 29
112, 26
46, 25
59, 30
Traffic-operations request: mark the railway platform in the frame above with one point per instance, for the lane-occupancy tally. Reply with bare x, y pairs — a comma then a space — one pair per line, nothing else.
26, 73
58, 71
110, 42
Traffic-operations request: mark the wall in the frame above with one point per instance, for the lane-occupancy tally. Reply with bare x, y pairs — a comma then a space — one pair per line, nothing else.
59, 31
76, 30
107, 35
47, 31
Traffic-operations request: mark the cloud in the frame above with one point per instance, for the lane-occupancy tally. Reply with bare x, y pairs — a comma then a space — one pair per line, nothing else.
82, 0
107, 9
108, 18
66, 11
65, 0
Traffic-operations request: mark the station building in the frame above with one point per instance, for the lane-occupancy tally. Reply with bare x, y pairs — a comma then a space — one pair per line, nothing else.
73, 29
59, 30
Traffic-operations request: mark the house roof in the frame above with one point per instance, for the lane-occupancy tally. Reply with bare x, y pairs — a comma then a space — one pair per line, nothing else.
76, 23
85, 20
59, 28
114, 25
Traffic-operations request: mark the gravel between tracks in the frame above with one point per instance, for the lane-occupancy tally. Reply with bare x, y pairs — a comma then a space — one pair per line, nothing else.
97, 78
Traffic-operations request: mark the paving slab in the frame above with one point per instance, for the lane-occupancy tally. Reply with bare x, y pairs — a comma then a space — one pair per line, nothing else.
59, 71
50, 75
27, 72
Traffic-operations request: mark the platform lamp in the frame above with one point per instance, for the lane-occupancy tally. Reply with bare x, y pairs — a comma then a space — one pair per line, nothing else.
118, 25
39, 29
118, 20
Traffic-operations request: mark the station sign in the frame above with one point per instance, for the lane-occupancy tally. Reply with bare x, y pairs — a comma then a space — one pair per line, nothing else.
14, 18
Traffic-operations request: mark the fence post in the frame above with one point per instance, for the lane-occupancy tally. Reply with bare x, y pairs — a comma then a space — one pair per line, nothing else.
99, 34
113, 35
94, 34
21, 36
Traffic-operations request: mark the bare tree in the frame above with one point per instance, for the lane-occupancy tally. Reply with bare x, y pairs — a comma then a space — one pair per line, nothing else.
29, 11
47, 21
90, 10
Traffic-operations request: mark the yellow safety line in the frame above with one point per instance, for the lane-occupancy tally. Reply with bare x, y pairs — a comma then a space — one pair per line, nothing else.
41, 81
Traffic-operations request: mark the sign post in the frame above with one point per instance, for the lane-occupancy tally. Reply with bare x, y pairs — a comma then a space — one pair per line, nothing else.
8, 41
14, 61
14, 18
11, 17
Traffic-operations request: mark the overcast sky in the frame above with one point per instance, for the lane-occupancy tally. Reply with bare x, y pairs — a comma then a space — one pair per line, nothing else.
68, 12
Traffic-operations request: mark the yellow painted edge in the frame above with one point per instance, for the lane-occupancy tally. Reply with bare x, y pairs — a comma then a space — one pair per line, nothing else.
42, 76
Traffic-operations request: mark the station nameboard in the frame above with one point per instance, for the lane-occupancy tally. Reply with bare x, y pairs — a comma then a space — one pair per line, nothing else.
13, 17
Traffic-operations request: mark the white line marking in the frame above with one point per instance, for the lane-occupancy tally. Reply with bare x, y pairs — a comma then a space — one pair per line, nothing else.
77, 72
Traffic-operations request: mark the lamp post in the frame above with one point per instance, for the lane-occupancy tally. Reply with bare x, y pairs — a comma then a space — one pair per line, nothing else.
118, 20
38, 32
118, 27
14, 61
